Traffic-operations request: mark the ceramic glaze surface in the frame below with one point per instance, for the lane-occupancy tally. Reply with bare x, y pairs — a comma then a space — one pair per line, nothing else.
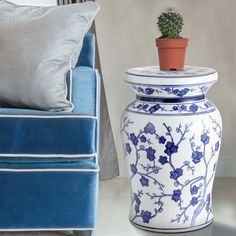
171, 136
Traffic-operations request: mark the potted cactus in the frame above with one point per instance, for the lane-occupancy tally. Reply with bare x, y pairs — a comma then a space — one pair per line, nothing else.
171, 46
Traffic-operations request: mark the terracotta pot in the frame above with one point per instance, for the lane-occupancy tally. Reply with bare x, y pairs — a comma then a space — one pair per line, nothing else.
171, 53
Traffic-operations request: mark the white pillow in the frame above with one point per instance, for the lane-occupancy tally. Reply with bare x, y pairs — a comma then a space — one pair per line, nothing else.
38, 46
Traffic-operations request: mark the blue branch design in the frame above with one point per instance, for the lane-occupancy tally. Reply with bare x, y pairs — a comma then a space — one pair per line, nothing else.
197, 185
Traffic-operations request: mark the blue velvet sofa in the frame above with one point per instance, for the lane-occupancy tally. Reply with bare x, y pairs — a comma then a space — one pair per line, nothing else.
48, 160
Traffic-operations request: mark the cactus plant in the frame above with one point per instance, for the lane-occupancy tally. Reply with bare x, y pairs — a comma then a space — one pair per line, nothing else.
171, 46
170, 24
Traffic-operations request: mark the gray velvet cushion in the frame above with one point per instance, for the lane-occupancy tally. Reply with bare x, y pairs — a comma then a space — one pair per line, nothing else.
38, 46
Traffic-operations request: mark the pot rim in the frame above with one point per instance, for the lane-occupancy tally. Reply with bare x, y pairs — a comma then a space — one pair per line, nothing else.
165, 39
172, 38
172, 43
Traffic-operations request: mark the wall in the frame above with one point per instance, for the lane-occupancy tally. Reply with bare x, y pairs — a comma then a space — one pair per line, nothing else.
126, 32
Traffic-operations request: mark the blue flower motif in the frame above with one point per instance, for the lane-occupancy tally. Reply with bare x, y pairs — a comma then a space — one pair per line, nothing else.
175, 108
185, 90
133, 169
181, 93
146, 216
171, 148
176, 91
149, 128
139, 106
194, 201
196, 156
134, 139
151, 153
144, 181
217, 146
183, 107
143, 139
128, 148
145, 106
149, 91
175, 174
154, 108
137, 200
205, 138
194, 190
193, 108
163, 160
167, 89
162, 140
176, 195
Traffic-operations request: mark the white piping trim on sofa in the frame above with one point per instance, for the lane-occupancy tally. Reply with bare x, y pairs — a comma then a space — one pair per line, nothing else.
71, 84
97, 92
49, 170
97, 114
47, 155
48, 229
49, 116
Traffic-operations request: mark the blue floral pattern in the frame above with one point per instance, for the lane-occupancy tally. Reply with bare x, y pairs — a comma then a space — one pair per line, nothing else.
171, 138
170, 91
176, 195
152, 152
179, 92
177, 109
163, 160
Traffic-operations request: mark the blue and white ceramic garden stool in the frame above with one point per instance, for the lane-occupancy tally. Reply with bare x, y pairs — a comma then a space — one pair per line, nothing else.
171, 136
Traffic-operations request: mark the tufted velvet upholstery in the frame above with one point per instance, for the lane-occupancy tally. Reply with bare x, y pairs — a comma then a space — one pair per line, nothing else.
48, 160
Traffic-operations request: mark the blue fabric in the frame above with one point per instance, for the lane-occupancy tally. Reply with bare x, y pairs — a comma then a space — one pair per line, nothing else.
53, 199
48, 135
44, 200
87, 54
84, 91
47, 163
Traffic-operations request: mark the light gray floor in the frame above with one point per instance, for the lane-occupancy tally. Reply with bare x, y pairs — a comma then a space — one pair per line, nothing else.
115, 202
114, 210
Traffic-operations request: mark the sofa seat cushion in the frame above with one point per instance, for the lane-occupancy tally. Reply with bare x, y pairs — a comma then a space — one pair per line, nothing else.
48, 199
47, 135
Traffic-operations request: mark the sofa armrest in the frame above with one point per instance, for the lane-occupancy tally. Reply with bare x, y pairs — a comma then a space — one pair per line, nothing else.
85, 91
87, 54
